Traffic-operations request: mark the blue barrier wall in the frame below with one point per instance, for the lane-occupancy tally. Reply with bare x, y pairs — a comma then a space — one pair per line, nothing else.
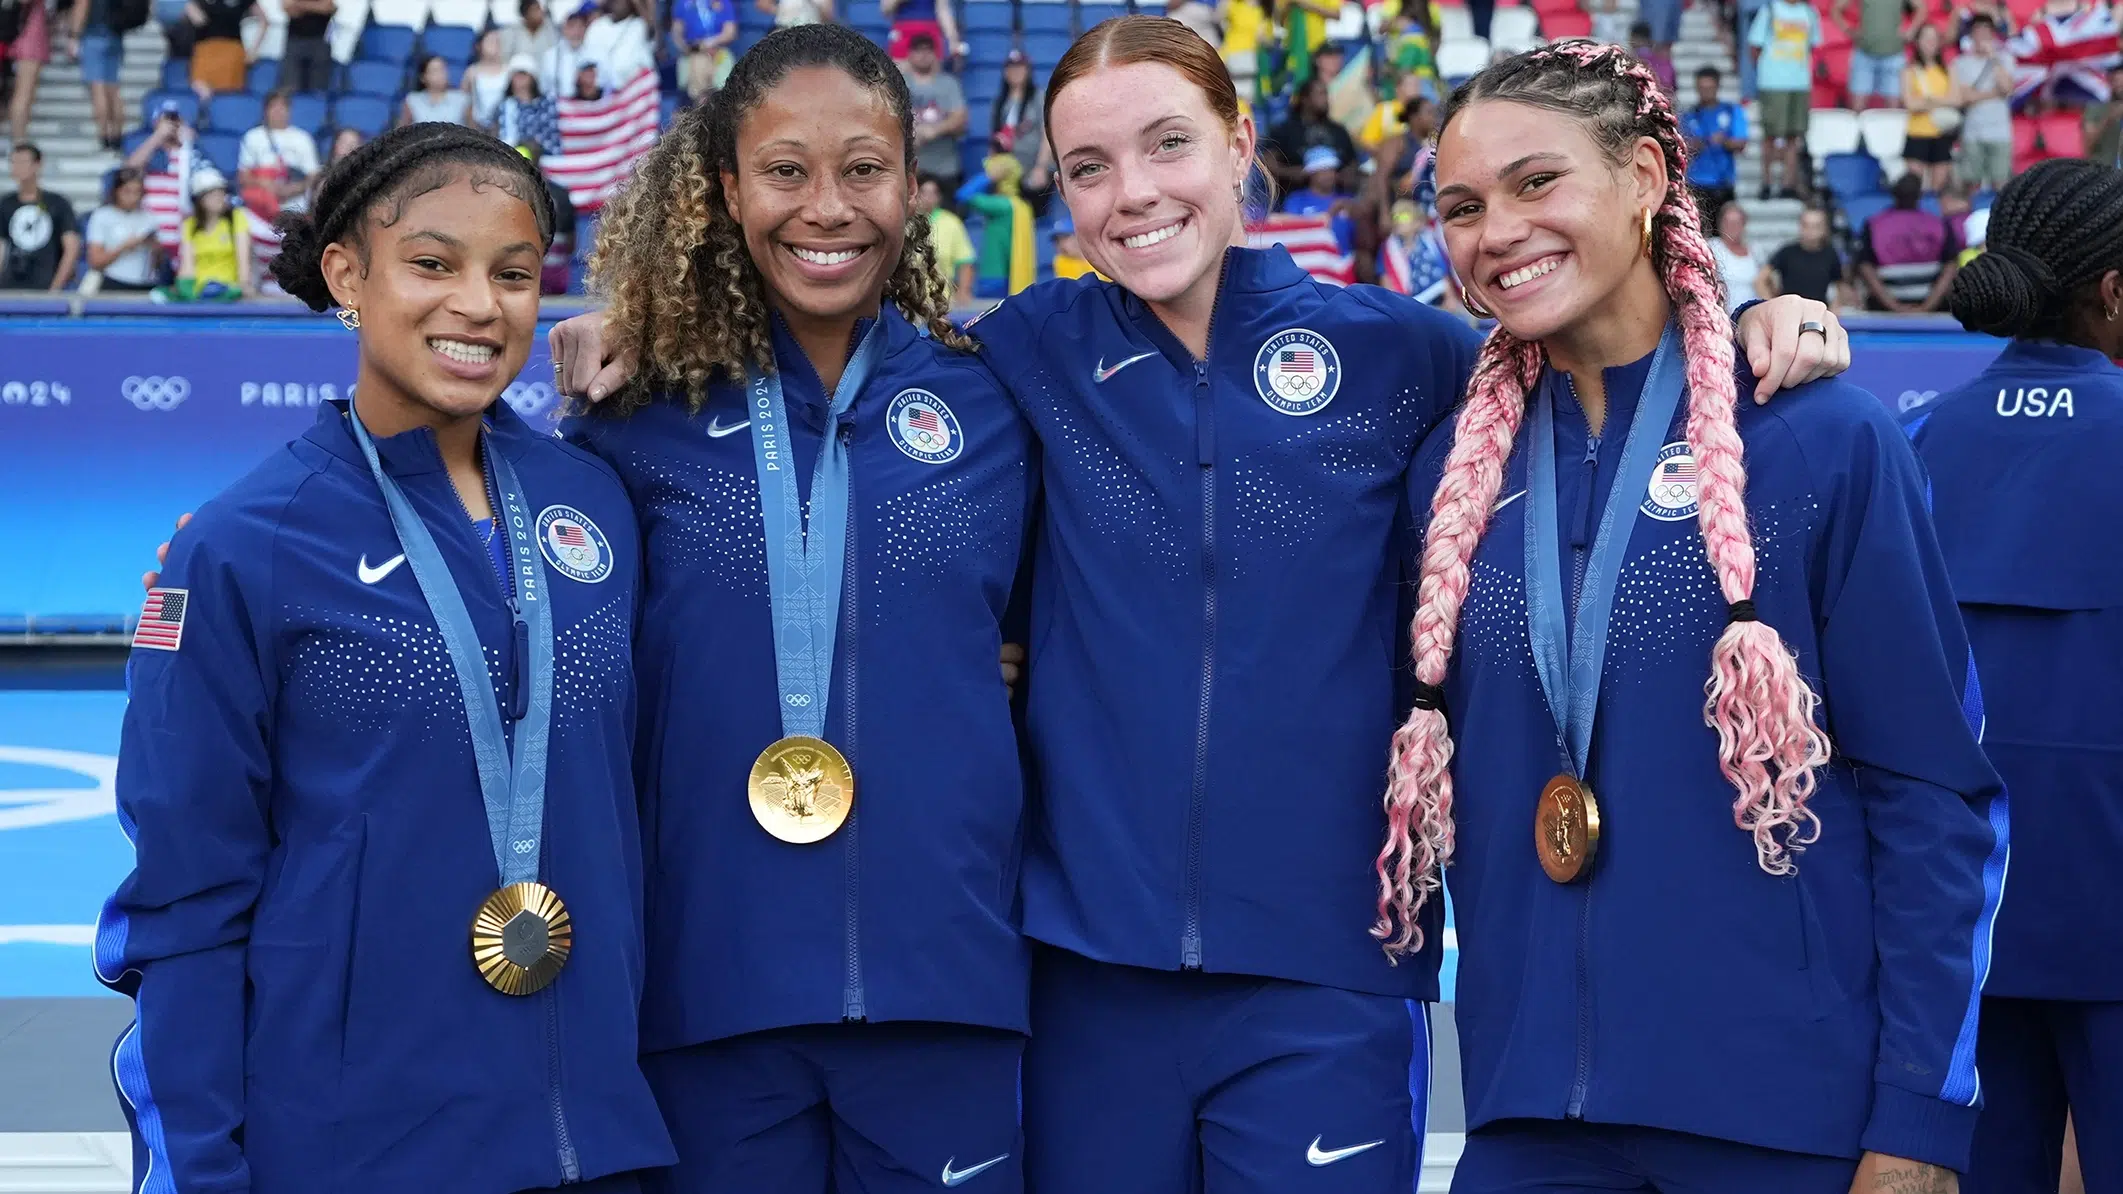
112, 423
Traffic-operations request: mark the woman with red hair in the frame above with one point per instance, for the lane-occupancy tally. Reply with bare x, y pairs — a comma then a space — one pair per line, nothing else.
1656, 992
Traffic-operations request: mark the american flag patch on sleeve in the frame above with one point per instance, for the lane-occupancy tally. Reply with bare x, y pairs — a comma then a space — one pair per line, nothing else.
161, 619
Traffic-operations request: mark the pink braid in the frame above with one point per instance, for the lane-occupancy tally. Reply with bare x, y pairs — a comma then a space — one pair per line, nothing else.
1419, 792
1762, 709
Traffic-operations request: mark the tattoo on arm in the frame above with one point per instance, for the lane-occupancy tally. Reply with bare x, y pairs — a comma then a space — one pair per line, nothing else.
1912, 1179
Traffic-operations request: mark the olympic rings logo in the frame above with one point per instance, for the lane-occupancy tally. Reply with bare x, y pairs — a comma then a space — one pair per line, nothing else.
927, 440
800, 700
528, 398
155, 393
1296, 385
1673, 493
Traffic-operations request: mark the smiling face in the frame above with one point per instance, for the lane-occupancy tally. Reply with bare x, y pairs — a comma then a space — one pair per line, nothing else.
1152, 176
822, 193
1541, 224
449, 292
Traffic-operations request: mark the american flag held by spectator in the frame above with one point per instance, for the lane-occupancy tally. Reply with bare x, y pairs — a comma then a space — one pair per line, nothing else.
163, 195
602, 139
1311, 242
1419, 270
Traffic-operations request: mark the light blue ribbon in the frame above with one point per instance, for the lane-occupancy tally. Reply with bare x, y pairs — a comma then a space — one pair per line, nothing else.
1573, 687
513, 789
805, 557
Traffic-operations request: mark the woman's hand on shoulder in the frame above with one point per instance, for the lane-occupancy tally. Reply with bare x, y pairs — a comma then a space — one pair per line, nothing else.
580, 367
149, 578
1790, 341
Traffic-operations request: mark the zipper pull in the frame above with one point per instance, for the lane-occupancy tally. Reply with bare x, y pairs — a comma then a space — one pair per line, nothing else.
1204, 418
519, 670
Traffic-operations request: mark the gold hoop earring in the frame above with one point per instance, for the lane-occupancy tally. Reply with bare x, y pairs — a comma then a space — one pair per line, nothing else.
350, 319
1467, 300
1647, 232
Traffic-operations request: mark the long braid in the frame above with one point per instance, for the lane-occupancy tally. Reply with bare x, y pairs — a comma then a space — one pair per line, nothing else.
1768, 745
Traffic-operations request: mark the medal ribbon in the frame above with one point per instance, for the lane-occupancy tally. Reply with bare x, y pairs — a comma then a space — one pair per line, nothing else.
806, 557
513, 789
1569, 664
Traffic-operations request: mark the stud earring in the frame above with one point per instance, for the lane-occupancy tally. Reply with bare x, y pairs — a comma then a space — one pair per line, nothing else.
350, 319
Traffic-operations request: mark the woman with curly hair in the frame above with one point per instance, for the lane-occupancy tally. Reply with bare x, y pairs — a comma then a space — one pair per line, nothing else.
1698, 950
832, 495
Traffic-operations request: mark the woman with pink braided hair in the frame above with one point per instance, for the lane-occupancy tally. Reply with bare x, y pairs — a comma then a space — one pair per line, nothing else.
1700, 949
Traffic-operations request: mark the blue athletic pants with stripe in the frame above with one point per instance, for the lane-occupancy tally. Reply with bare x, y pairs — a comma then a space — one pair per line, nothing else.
842, 1109
2040, 1058
1541, 1156
1177, 1082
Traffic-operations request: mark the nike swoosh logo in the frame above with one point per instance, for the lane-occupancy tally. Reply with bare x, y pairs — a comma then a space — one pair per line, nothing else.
716, 430
1503, 502
959, 1177
1100, 374
1316, 1157
370, 575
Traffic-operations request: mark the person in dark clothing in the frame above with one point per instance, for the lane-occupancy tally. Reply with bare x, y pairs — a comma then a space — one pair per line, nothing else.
1309, 126
39, 240
307, 63
1809, 267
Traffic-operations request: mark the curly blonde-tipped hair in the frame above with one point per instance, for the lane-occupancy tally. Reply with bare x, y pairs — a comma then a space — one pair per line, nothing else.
682, 297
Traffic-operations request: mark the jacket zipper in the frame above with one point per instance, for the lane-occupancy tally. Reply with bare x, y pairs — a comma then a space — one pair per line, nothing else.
1190, 945
1581, 551
852, 1002
519, 643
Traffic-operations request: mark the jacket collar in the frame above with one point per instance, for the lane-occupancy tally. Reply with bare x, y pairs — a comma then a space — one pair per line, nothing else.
1245, 271
2048, 354
411, 453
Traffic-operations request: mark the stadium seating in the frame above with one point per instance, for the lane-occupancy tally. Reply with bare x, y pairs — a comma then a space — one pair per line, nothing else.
177, 74
1514, 29
309, 111
187, 104
1864, 207
369, 113
221, 147
263, 76
388, 43
1831, 131
1461, 58
384, 79
234, 111
1850, 175
1884, 131
453, 42
1454, 24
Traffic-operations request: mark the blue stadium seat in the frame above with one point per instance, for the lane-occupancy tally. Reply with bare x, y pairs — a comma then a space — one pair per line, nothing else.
1048, 18
222, 148
387, 43
1981, 200
308, 110
369, 113
453, 42
993, 15
984, 51
670, 105
1864, 207
177, 74
1046, 49
1094, 13
235, 111
979, 119
864, 14
1851, 174
263, 76
386, 79
457, 69
186, 102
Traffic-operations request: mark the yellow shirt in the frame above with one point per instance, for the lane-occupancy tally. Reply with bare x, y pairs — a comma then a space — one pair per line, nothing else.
1244, 26
214, 251
947, 235
1932, 83
1384, 122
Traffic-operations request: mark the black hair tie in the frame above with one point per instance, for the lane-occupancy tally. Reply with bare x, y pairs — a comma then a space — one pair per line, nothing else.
1741, 611
1430, 696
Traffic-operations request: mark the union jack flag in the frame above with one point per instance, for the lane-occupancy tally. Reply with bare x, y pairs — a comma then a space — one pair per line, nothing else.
2065, 57
161, 625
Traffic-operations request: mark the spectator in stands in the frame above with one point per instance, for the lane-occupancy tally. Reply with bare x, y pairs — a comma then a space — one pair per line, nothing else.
1197, 16
1737, 263
2102, 124
486, 80
122, 241
947, 235
702, 32
344, 142
213, 246
557, 271
528, 116
1906, 256
101, 51
1964, 17
1927, 92
1018, 109
939, 112
168, 141
621, 42
1876, 54
1783, 40
1387, 119
218, 58
25, 45
1808, 267
1745, 12
797, 12
1982, 79
1610, 21
561, 62
1323, 185
1069, 259
587, 86
1248, 33
275, 162
39, 241
435, 100
1411, 42
532, 35
1717, 134
1307, 127
306, 62
933, 17
1660, 61
1661, 20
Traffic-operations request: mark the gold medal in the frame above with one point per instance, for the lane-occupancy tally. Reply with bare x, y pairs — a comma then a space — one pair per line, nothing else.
521, 938
1566, 829
801, 789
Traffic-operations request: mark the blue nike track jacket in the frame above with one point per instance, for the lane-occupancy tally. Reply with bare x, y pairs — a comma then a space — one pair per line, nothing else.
1216, 616
909, 911
310, 846
2025, 490
1680, 986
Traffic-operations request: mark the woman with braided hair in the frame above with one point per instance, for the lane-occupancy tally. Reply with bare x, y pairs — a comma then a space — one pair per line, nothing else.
1700, 950
383, 927
2024, 488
